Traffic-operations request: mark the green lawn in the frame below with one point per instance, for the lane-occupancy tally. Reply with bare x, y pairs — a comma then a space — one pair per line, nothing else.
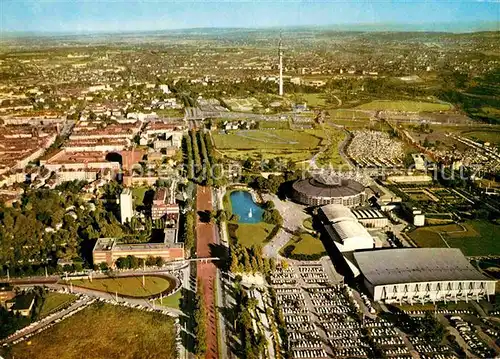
312, 99
249, 234
138, 195
104, 331
129, 286
172, 301
304, 245
266, 139
348, 114
277, 125
53, 301
481, 237
492, 136
410, 106
308, 223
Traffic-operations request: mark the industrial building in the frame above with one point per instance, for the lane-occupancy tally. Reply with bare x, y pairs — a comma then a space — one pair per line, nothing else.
318, 191
370, 218
344, 229
419, 275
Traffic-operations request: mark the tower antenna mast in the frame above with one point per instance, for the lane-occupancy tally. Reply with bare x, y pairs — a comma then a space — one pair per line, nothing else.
280, 54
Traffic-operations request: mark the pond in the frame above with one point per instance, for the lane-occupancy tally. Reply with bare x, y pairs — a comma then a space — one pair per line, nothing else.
243, 205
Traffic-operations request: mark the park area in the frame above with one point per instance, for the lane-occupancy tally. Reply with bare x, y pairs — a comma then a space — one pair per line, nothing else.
266, 139
104, 331
304, 247
249, 234
291, 145
474, 238
242, 104
129, 286
404, 106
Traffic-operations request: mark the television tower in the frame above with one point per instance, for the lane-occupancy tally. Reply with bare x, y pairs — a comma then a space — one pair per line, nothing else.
280, 54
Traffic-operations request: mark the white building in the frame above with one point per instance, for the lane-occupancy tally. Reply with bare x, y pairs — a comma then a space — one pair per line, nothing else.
344, 229
126, 205
419, 275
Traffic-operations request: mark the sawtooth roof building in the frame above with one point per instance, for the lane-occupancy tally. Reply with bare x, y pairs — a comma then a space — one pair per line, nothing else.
419, 275
344, 229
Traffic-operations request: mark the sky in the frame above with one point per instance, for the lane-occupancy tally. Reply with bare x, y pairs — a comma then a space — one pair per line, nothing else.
84, 16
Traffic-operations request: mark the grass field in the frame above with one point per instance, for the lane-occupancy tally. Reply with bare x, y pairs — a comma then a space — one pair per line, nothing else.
306, 245
492, 136
128, 286
249, 234
348, 114
276, 125
138, 195
54, 301
170, 112
307, 223
172, 301
104, 332
409, 106
242, 104
312, 99
480, 237
266, 139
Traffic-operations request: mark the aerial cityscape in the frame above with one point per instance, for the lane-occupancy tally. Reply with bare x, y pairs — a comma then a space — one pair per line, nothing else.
249, 180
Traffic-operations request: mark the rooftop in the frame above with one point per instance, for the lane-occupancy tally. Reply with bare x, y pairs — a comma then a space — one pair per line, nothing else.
413, 265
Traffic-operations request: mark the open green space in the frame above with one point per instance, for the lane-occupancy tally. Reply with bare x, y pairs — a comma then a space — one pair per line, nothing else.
348, 114
54, 301
492, 136
266, 139
305, 247
242, 104
128, 286
409, 106
104, 331
138, 195
250, 234
312, 99
172, 301
170, 112
307, 223
479, 238
274, 125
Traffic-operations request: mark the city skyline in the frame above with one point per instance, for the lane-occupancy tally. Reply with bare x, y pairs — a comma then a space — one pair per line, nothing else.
132, 16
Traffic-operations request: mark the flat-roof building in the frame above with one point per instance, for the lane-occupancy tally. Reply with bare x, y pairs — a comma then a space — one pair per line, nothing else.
419, 275
108, 250
344, 229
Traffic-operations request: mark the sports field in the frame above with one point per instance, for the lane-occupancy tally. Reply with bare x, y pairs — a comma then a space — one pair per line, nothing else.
348, 114
266, 139
242, 104
53, 301
312, 99
129, 286
408, 106
479, 237
104, 331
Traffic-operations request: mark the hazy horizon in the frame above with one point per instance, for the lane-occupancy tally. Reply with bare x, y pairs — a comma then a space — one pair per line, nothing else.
128, 16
